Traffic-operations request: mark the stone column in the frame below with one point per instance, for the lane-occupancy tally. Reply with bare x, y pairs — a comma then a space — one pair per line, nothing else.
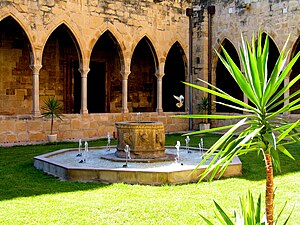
125, 91
35, 89
159, 108
84, 73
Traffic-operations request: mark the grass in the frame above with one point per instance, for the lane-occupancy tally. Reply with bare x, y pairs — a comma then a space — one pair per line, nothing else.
28, 196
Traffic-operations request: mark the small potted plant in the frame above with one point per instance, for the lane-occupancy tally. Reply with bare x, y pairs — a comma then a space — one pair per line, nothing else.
203, 108
52, 108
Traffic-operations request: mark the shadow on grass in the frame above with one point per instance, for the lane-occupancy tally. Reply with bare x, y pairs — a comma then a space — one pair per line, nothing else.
18, 177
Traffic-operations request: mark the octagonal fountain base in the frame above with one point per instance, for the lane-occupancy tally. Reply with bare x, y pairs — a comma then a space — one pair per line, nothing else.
65, 165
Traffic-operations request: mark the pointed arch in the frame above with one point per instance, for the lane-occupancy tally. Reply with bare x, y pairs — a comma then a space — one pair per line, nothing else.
115, 34
70, 31
20, 21
15, 73
105, 79
142, 85
224, 80
179, 41
59, 75
150, 44
175, 73
118, 47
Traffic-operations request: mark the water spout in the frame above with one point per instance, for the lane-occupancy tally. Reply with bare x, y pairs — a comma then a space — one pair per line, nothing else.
108, 141
127, 154
177, 146
187, 141
79, 149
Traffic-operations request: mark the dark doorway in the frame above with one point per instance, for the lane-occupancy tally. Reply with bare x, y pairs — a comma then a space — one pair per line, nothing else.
225, 81
96, 87
172, 81
142, 80
104, 78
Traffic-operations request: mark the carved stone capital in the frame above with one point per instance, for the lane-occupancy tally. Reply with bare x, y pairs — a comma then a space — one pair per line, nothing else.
35, 69
84, 72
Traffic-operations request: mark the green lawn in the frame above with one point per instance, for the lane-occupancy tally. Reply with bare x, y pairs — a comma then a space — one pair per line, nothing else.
28, 196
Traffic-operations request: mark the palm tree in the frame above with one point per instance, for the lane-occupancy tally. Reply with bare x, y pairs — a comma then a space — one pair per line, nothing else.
265, 131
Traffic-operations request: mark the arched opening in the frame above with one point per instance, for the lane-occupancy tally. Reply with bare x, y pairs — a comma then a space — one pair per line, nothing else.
59, 75
225, 81
142, 80
15, 74
104, 78
172, 81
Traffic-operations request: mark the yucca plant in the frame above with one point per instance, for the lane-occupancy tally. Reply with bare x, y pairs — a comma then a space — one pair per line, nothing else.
250, 213
52, 108
203, 107
265, 131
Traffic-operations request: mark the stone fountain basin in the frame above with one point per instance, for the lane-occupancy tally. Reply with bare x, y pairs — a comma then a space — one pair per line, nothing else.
65, 165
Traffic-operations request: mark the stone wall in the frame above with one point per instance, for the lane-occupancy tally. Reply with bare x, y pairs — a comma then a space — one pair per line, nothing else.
278, 19
26, 129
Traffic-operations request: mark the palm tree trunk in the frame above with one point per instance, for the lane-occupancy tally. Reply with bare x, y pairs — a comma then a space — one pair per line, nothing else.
269, 190
51, 128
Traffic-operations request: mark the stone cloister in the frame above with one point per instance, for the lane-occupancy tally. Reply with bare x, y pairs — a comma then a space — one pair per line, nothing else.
104, 60
107, 60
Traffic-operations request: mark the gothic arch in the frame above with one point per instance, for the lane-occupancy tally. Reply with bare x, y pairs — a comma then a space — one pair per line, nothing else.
25, 26
117, 45
15, 73
105, 76
224, 80
182, 52
59, 75
142, 85
117, 36
74, 34
26, 29
183, 46
175, 72
218, 48
151, 46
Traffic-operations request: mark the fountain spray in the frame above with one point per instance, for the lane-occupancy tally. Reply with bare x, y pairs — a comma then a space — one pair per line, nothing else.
177, 146
79, 149
127, 155
108, 141
187, 141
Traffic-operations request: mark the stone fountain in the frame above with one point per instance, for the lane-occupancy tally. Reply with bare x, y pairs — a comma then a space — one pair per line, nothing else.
150, 162
146, 141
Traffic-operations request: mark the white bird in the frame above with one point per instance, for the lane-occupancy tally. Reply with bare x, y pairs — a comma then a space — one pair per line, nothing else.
180, 99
